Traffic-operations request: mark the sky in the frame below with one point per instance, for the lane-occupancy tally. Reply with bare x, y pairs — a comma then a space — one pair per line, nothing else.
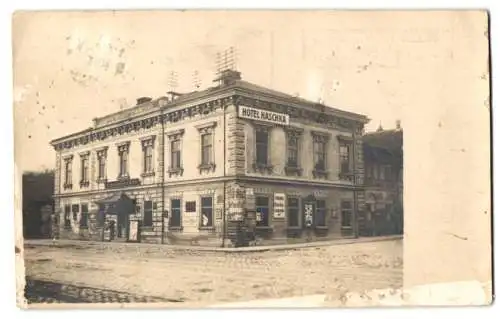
70, 67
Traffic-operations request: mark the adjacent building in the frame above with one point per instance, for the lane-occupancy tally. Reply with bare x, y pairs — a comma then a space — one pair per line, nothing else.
187, 164
383, 155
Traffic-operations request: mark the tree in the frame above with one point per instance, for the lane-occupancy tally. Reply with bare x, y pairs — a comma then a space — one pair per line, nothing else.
37, 189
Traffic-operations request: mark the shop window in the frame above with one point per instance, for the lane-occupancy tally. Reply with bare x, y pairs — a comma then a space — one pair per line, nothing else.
75, 209
175, 213
148, 214
84, 219
67, 216
346, 211
206, 211
321, 213
262, 210
293, 211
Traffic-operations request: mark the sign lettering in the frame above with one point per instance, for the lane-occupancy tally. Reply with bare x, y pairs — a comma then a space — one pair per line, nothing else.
279, 205
262, 115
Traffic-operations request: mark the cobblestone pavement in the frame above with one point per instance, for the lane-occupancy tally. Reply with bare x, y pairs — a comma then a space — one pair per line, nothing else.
197, 276
40, 291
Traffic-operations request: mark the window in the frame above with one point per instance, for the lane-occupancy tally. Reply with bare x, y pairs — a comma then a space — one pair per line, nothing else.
148, 159
175, 167
148, 213
293, 211
321, 213
262, 210
175, 213
102, 167
207, 156
175, 154
75, 208
319, 156
345, 158
292, 150
206, 149
147, 153
261, 145
346, 211
206, 212
84, 219
68, 173
123, 150
84, 173
67, 216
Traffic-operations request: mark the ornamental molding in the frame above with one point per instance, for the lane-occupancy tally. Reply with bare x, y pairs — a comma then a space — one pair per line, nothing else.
84, 155
148, 141
175, 135
125, 123
133, 125
321, 137
206, 127
123, 146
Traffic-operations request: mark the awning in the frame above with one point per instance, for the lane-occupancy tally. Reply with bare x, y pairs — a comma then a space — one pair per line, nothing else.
113, 199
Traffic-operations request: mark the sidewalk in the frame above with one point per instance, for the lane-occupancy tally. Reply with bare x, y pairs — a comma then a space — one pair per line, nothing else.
63, 242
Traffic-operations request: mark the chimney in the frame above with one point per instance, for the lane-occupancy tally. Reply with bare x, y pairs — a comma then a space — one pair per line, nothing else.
398, 125
143, 99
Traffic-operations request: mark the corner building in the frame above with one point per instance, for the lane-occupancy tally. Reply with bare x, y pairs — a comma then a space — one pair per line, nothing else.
187, 164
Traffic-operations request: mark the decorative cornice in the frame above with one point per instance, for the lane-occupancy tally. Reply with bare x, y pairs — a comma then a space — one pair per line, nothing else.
68, 158
148, 141
84, 154
294, 130
126, 123
134, 125
123, 146
344, 138
206, 127
177, 134
320, 136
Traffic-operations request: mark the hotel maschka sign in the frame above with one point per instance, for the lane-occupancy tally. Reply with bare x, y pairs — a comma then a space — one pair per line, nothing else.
263, 115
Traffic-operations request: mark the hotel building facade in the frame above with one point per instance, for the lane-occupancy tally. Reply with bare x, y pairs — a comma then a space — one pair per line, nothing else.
187, 164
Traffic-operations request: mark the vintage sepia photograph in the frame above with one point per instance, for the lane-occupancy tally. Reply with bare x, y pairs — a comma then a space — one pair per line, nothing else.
231, 158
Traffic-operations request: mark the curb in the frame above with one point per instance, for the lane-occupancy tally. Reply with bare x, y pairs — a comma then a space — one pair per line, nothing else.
219, 249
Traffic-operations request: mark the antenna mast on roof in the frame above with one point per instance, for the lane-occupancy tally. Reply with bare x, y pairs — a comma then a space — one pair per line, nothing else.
226, 66
173, 83
196, 80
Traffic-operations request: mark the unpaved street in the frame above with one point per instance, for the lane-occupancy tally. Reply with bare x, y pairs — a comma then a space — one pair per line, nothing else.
132, 274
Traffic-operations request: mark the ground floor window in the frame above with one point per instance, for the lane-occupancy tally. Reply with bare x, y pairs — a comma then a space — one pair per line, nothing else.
148, 214
321, 213
207, 212
346, 211
67, 217
262, 211
84, 219
75, 209
293, 211
175, 213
